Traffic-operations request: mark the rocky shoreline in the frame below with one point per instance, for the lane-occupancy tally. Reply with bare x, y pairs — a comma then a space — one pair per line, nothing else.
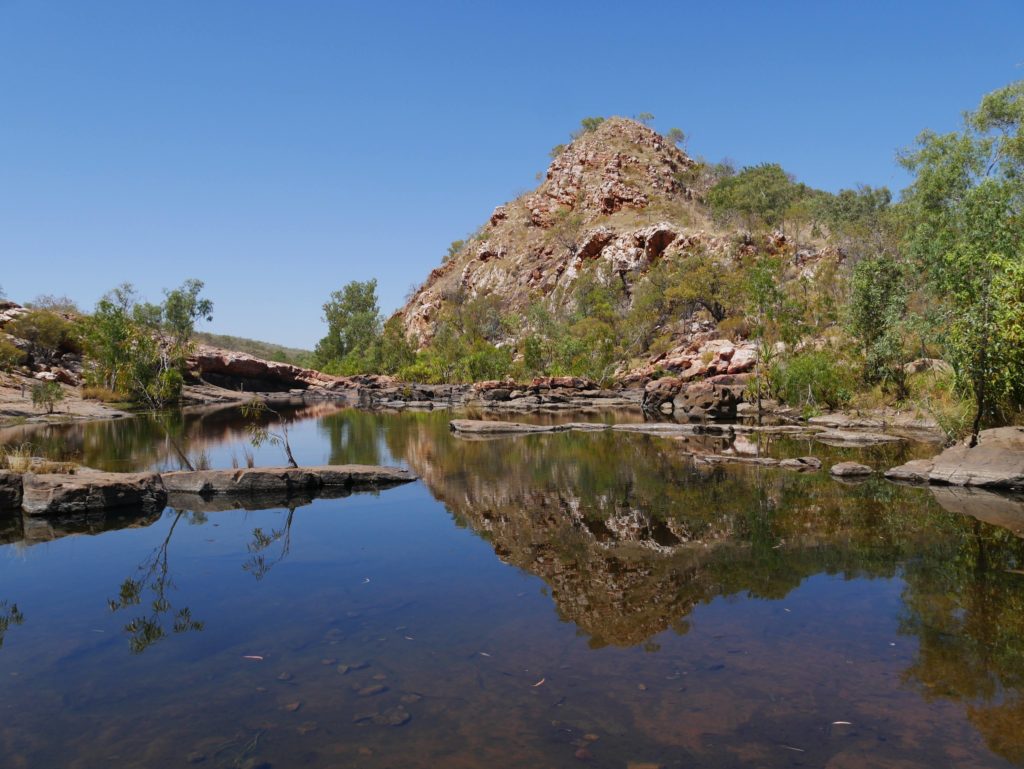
88, 491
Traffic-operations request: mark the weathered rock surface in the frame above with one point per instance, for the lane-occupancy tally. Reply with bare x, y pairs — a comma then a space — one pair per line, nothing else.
851, 470
914, 471
801, 464
91, 491
855, 438
708, 401
264, 480
10, 491
996, 461
231, 369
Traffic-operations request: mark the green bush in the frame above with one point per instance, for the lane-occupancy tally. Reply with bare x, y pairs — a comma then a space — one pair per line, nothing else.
813, 379
45, 395
10, 356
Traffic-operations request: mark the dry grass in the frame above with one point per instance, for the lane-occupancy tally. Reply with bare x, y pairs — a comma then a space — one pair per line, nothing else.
102, 394
20, 460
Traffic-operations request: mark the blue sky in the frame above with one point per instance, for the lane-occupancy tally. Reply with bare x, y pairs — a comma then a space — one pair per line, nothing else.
277, 150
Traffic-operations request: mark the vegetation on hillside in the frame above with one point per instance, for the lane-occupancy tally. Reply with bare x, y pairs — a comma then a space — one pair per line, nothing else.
939, 274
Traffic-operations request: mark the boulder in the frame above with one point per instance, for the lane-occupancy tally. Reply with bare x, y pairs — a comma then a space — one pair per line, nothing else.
996, 461
851, 470
706, 400
914, 471
10, 491
90, 491
801, 464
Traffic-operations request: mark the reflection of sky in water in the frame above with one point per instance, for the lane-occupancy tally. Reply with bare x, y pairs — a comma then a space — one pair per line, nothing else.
782, 607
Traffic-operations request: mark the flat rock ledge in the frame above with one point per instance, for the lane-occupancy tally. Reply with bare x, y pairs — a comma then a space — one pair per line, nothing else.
89, 491
851, 470
995, 462
492, 428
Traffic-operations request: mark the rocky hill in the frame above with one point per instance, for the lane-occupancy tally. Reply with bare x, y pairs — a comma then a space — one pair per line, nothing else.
610, 194
620, 196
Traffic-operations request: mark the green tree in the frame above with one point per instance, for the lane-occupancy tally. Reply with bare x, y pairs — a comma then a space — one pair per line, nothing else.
760, 194
676, 136
47, 333
353, 324
46, 395
878, 304
966, 232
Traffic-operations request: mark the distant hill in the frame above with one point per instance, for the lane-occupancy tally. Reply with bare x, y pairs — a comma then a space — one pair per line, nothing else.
265, 350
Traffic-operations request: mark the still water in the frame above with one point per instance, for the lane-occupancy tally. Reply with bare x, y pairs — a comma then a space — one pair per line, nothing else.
554, 600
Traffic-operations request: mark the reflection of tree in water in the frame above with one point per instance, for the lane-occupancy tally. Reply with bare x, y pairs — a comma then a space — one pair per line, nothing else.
967, 611
262, 561
9, 615
155, 576
354, 436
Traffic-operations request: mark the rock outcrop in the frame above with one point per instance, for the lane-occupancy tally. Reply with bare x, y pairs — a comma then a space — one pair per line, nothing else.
263, 480
91, 491
996, 461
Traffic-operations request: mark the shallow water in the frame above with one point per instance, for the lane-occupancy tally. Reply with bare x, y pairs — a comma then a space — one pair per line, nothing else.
550, 600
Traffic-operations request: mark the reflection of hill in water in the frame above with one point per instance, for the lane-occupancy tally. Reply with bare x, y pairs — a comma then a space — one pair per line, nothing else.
629, 534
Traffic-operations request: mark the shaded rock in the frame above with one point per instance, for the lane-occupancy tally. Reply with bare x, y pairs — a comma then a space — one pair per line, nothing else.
922, 365
851, 470
62, 494
914, 471
996, 461
10, 491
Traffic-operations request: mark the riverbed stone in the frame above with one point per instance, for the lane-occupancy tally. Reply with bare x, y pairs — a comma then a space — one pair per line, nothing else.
850, 470
90, 491
801, 464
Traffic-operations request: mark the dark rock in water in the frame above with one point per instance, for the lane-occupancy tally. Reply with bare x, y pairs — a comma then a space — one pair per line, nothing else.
851, 470
997, 461
89, 491
801, 464
372, 690
10, 491
914, 471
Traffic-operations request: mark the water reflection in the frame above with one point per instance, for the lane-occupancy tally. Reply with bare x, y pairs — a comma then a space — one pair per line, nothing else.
10, 616
153, 584
675, 575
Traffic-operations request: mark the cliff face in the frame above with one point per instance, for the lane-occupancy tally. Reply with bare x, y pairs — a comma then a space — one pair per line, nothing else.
618, 193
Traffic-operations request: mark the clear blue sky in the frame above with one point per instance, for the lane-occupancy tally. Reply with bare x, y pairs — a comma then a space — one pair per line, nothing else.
277, 150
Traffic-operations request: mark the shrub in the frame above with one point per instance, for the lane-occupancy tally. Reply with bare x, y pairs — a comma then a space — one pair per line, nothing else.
10, 356
813, 379
45, 395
